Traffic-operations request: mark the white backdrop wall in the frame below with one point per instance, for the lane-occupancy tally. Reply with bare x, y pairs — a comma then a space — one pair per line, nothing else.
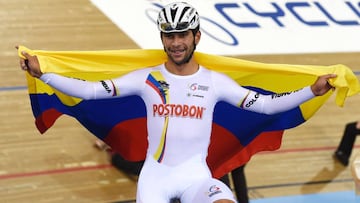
231, 27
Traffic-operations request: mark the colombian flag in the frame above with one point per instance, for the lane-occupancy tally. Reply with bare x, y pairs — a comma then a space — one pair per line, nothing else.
121, 122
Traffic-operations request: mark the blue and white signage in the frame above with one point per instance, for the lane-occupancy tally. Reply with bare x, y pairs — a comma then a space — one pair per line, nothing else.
232, 27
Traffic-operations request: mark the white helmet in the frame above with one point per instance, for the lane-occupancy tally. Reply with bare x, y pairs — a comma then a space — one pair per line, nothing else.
178, 17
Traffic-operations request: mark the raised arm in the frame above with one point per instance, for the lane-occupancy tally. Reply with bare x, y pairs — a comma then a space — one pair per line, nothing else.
273, 103
129, 84
282, 102
70, 86
79, 88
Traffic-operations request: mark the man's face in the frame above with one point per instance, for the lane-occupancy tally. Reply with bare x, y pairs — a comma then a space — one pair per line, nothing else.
179, 46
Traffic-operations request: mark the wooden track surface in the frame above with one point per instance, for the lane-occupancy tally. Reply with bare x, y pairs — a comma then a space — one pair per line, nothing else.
63, 166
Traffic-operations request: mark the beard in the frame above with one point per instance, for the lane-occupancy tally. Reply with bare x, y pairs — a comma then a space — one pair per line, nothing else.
185, 60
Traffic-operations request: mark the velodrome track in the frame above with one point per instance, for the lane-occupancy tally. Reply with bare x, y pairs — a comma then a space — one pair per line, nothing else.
63, 166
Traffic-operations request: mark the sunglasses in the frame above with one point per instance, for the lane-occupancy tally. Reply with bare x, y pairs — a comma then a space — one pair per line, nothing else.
180, 27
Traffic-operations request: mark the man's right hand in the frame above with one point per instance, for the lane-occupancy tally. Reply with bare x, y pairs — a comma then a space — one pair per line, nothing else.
30, 64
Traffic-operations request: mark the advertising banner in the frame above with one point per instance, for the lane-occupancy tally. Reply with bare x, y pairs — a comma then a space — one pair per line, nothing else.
232, 27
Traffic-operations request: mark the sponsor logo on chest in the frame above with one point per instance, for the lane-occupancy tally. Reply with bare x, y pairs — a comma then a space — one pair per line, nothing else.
197, 90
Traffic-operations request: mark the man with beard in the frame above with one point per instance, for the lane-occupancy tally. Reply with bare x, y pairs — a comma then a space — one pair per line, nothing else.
180, 96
